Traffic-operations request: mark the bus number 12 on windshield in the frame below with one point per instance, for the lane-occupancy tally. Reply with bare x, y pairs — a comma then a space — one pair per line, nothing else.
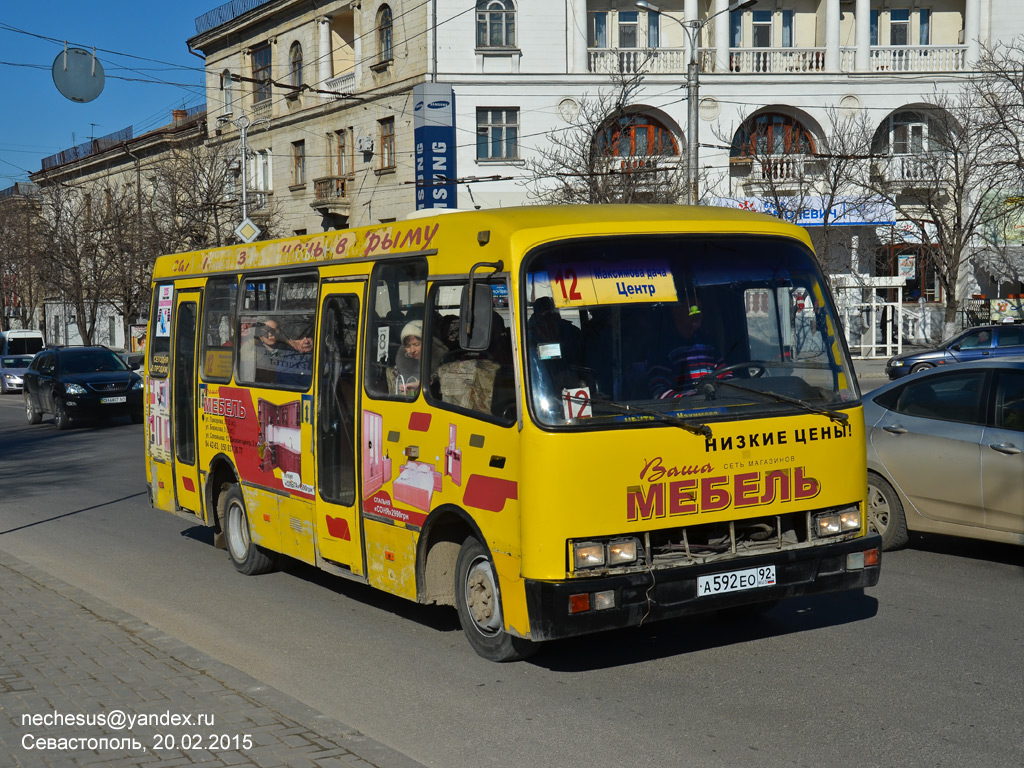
557, 420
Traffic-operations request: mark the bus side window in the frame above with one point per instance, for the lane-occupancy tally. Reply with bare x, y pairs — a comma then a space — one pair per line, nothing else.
397, 297
476, 381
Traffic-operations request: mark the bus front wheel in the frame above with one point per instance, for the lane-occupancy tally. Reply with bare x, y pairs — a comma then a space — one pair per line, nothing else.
246, 556
478, 601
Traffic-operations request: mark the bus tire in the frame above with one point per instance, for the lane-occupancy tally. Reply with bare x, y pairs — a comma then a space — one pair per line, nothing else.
245, 555
885, 513
478, 602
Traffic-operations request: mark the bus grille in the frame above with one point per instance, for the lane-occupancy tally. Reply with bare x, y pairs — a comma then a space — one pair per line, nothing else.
721, 541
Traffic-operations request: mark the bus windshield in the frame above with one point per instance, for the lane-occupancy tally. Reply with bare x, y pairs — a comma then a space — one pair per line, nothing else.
703, 327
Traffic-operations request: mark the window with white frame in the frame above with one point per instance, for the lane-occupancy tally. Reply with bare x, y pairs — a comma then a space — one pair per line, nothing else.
924, 16
628, 26
899, 26
261, 171
495, 24
787, 29
387, 143
761, 26
298, 163
341, 148
497, 133
261, 73
909, 133
295, 64
226, 96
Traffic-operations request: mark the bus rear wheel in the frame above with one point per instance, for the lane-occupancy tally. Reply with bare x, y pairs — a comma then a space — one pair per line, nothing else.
246, 556
478, 601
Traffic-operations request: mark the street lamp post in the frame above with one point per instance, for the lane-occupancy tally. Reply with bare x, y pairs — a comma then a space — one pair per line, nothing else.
693, 27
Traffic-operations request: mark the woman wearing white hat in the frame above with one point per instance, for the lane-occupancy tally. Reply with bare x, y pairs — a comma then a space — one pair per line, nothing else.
407, 362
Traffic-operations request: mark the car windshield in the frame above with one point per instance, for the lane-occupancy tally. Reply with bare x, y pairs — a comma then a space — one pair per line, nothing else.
680, 327
90, 360
19, 361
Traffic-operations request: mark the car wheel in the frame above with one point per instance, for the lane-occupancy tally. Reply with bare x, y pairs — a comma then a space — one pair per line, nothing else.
478, 602
921, 367
31, 414
246, 556
60, 415
885, 513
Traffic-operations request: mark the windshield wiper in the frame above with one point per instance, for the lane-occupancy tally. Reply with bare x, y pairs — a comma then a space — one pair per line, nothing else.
698, 429
709, 385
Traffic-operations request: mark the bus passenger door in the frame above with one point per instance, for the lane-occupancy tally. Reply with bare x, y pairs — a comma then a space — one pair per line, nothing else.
338, 520
183, 401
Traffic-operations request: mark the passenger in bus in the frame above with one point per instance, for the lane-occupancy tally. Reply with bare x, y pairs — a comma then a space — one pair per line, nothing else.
281, 359
405, 379
686, 355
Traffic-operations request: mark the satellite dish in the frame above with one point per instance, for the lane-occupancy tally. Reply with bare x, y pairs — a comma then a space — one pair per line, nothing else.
78, 75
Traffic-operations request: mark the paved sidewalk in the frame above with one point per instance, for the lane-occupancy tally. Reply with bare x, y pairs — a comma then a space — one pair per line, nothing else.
83, 683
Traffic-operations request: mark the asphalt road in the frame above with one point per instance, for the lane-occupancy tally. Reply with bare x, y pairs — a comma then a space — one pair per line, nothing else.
927, 669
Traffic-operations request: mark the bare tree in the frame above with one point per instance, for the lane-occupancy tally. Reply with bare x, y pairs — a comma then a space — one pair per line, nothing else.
77, 267
193, 203
21, 251
608, 154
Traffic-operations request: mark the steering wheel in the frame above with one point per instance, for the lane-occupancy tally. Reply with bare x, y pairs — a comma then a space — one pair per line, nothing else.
759, 368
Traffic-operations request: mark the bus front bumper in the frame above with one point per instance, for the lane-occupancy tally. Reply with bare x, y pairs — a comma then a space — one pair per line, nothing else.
672, 592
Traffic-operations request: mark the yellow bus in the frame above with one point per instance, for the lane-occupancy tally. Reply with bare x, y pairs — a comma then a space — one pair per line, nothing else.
558, 420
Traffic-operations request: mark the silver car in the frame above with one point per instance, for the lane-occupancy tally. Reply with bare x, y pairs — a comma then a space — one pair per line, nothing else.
946, 453
12, 368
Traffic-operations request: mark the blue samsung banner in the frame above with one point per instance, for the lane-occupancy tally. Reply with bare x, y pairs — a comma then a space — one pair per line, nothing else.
434, 135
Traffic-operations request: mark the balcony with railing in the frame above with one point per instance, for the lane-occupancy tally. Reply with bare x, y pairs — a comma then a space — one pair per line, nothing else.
773, 172
331, 193
913, 170
341, 84
888, 58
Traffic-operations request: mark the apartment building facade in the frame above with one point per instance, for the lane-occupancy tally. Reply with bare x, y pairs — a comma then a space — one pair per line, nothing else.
329, 95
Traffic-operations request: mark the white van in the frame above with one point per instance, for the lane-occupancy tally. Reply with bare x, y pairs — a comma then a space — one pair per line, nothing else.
20, 342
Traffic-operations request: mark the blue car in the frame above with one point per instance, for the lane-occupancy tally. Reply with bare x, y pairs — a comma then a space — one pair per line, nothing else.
984, 342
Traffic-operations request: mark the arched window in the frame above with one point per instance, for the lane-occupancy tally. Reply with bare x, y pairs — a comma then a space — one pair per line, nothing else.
636, 136
226, 96
495, 24
902, 133
295, 63
384, 30
772, 134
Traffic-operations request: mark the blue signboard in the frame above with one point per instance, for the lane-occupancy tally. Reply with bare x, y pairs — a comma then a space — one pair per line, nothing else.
434, 135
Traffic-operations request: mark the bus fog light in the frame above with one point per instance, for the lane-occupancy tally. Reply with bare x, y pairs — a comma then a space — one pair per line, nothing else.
588, 554
604, 600
621, 552
855, 561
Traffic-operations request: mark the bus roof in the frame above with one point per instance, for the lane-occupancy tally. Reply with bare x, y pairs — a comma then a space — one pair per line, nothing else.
466, 234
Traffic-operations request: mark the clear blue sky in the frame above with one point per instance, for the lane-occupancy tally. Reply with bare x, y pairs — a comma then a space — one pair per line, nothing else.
141, 45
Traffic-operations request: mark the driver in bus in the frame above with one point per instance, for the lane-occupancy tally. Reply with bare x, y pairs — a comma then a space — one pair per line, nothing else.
687, 354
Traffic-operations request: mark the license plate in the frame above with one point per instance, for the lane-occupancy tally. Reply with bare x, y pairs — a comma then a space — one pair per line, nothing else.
110, 400
735, 581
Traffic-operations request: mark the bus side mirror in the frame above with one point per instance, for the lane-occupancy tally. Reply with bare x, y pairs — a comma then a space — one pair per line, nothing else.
475, 317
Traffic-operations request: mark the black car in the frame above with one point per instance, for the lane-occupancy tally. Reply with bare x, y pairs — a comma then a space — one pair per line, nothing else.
984, 342
75, 383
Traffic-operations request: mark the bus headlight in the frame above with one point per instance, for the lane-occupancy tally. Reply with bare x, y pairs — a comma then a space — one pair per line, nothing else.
595, 554
588, 554
622, 552
837, 522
